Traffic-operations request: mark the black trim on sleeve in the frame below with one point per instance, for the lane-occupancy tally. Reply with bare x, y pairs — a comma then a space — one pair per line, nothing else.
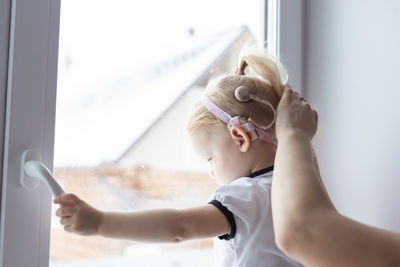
262, 171
229, 216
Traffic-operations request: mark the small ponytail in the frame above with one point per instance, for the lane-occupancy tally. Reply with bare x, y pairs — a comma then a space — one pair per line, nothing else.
264, 65
258, 71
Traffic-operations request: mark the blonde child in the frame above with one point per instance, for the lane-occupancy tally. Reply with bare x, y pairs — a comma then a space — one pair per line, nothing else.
232, 128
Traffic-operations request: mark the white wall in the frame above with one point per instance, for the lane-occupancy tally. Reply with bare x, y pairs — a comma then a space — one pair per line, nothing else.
351, 70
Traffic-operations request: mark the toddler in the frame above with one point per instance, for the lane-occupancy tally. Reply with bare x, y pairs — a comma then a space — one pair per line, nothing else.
232, 128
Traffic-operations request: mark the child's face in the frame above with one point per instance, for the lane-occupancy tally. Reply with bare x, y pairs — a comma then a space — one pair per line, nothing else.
215, 145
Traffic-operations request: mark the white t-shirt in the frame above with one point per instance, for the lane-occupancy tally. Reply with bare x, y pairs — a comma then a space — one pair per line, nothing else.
246, 203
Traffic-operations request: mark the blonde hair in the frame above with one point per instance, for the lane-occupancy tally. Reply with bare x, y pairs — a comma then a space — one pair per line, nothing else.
264, 75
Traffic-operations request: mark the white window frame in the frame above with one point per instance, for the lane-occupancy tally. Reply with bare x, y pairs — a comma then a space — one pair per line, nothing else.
285, 23
28, 77
4, 40
29, 124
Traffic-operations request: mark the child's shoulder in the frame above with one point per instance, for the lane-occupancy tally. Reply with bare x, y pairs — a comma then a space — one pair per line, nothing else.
258, 180
263, 181
247, 200
244, 189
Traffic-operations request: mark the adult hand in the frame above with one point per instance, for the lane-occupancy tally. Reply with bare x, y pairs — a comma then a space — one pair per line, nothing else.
295, 115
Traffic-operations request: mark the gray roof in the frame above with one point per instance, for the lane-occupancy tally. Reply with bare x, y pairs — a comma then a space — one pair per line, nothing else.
115, 116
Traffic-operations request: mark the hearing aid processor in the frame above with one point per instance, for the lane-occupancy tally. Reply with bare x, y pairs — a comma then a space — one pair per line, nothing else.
243, 94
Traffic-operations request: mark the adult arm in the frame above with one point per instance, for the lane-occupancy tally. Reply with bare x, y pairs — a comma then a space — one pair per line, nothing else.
307, 226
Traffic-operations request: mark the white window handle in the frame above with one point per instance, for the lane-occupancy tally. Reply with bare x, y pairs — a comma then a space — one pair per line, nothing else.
33, 171
38, 170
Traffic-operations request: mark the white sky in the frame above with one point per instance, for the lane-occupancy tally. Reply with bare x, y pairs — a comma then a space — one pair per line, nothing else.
102, 42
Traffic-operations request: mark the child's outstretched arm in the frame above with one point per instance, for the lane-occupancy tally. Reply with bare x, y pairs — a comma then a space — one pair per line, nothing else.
155, 225
307, 226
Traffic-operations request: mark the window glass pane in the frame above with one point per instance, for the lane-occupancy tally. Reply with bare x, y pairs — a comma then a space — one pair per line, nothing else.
129, 73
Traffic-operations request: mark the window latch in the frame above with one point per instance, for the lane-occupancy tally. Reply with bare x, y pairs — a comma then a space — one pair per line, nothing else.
33, 171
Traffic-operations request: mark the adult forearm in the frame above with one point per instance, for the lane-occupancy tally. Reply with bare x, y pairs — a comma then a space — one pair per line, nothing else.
295, 175
309, 229
156, 225
297, 192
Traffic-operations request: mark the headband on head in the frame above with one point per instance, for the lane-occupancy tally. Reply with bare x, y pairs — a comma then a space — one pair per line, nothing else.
248, 126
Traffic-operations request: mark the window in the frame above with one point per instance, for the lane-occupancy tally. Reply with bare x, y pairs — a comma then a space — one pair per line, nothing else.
114, 68
29, 124
112, 58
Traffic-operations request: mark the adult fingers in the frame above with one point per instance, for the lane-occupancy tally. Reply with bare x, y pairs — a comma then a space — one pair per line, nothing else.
290, 95
316, 116
306, 105
287, 91
296, 96
286, 87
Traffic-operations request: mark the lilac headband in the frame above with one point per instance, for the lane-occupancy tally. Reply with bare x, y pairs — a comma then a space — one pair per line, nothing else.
248, 126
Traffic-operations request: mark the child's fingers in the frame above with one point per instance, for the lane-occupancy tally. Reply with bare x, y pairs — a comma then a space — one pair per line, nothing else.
66, 221
58, 198
68, 228
65, 211
67, 199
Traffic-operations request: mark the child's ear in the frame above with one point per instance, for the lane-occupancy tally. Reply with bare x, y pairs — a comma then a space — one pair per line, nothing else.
241, 138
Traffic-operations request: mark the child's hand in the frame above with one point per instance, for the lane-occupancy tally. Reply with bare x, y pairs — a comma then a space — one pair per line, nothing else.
77, 216
294, 115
